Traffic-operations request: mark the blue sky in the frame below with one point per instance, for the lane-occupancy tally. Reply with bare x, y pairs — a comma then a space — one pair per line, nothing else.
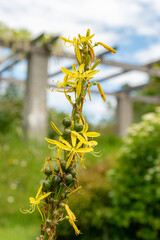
131, 25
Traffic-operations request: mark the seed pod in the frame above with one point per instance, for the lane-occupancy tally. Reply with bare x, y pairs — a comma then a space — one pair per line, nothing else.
67, 122
56, 180
46, 185
47, 171
73, 172
68, 178
63, 165
56, 170
51, 200
67, 133
78, 127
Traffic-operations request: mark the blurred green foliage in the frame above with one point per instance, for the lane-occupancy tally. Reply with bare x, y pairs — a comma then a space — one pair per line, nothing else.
11, 108
134, 183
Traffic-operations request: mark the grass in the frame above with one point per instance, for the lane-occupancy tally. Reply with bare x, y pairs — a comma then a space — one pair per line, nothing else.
20, 177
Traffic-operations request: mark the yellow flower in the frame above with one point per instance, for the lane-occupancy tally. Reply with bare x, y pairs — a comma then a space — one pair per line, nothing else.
71, 217
76, 42
87, 134
78, 76
36, 201
73, 149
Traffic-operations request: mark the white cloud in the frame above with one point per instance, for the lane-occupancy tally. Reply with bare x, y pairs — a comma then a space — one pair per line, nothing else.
152, 53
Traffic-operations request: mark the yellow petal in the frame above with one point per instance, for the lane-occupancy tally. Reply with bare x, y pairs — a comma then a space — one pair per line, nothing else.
80, 69
85, 39
66, 71
84, 150
65, 142
59, 153
51, 140
95, 64
77, 52
66, 40
86, 127
79, 87
69, 160
107, 47
101, 91
39, 191
68, 97
92, 134
40, 213
74, 191
69, 212
32, 200
55, 128
79, 144
44, 196
89, 90
74, 67
62, 146
92, 143
77, 231
81, 139
91, 51
81, 160
73, 139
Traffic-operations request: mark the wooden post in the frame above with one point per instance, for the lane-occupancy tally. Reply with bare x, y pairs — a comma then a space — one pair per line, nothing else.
124, 113
35, 112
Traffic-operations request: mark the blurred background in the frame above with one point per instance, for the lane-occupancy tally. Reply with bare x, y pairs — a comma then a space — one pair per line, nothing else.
123, 202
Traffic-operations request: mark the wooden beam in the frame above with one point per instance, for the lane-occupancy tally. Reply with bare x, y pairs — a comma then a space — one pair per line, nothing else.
124, 66
3, 60
20, 58
13, 80
146, 99
131, 67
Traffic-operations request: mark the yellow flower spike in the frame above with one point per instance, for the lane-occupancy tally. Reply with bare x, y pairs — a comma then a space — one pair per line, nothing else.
101, 91
36, 201
71, 217
107, 47
55, 128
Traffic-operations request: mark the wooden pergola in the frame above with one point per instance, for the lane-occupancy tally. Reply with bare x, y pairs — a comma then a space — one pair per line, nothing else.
35, 112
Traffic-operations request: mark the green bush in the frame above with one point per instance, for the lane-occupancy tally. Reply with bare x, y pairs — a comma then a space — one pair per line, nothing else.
121, 200
135, 183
